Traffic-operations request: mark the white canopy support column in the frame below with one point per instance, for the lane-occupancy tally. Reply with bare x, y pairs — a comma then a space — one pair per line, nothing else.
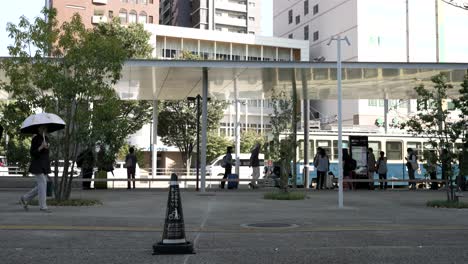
338, 39
237, 132
154, 153
305, 102
204, 128
154, 149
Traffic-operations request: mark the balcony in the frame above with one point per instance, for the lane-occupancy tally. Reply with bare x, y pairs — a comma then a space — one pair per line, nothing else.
98, 19
100, 2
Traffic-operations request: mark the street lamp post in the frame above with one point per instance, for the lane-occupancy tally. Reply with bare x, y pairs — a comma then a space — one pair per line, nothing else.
338, 40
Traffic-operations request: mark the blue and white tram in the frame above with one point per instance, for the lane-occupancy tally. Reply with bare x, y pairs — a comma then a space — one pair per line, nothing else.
394, 146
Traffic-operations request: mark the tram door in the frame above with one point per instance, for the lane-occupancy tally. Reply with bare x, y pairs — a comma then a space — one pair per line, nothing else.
358, 148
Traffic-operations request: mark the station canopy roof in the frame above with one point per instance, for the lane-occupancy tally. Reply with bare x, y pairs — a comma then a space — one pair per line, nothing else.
177, 80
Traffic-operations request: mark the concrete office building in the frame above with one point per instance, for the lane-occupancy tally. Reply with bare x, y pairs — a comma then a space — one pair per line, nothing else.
169, 43
96, 11
239, 16
379, 31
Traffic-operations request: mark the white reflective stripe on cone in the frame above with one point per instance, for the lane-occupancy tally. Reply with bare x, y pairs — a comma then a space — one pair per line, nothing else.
174, 241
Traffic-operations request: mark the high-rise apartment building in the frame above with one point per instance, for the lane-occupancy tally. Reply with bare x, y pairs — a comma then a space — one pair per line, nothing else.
379, 31
96, 11
239, 16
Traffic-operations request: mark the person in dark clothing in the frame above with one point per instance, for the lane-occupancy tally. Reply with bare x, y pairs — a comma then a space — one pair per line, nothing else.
382, 170
130, 164
349, 165
431, 168
85, 161
40, 168
255, 164
411, 165
227, 164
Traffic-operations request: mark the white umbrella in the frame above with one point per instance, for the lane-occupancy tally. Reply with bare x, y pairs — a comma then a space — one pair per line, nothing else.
33, 122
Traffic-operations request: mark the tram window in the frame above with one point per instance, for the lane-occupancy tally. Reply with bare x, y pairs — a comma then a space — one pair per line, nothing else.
325, 144
394, 151
311, 150
300, 149
335, 148
376, 147
458, 148
416, 146
426, 148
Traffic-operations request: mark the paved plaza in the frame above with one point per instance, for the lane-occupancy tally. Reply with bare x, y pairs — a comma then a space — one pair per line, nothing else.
392, 226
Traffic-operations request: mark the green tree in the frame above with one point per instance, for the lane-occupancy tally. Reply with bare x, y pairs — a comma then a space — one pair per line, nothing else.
134, 38
17, 146
432, 122
248, 140
216, 146
72, 72
177, 125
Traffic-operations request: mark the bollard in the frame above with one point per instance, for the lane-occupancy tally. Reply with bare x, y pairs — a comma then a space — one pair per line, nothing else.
173, 240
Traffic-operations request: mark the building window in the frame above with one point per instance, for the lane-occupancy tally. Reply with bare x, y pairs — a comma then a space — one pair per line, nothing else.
316, 9
306, 33
316, 35
290, 16
123, 16
372, 102
252, 4
143, 18
291, 36
150, 19
124, 1
132, 17
144, 2
298, 19
151, 1
306, 7
252, 18
111, 14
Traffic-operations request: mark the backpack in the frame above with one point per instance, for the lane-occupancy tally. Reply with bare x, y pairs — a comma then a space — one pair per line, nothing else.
224, 163
414, 165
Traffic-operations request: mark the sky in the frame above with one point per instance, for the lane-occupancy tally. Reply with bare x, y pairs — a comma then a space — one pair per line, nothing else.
11, 11
267, 17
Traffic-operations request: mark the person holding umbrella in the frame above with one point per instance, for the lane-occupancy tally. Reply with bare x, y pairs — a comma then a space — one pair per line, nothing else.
40, 125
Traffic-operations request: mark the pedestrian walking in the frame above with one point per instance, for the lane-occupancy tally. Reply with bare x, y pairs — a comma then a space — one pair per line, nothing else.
463, 165
322, 164
349, 165
370, 167
412, 166
85, 161
431, 168
227, 165
130, 164
40, 168
255, 164
382, 170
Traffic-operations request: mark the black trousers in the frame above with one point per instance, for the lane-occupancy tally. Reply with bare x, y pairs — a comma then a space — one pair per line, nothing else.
87, 174
434, 185
130, 175
383, 176
227, 171
320, 179
411, 177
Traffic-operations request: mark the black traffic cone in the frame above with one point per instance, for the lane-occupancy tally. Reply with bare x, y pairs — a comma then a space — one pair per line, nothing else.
173, 240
